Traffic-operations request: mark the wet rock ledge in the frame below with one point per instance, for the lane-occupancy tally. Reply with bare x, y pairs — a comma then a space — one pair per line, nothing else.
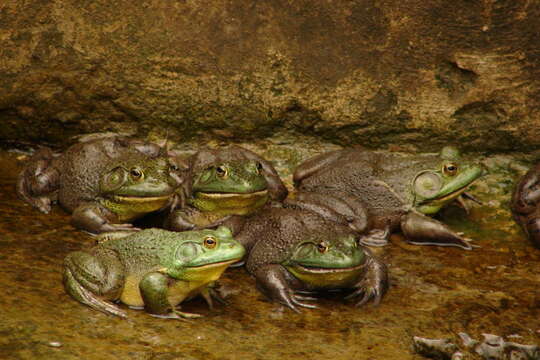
363, 71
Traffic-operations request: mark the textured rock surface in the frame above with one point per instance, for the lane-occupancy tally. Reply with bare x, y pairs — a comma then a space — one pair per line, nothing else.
363, 71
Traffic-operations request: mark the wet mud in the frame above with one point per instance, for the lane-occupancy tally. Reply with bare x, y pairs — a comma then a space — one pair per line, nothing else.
435, 292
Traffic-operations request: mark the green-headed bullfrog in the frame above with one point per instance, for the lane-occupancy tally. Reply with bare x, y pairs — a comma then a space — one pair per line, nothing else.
105, 183
154, 268
526, 204
223, 183
294, 253
397, 191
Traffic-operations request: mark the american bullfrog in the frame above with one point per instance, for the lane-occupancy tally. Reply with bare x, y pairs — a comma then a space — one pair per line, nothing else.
224, 183
397, 191
154, 268
525, 204
294, 253
105, 183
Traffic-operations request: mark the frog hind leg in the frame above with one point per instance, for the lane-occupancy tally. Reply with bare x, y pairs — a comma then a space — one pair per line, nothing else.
39, 180
154, 288
90, 279
420, 229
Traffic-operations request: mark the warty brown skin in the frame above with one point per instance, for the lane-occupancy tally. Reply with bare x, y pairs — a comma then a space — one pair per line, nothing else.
73, 178
271, 235
377, 184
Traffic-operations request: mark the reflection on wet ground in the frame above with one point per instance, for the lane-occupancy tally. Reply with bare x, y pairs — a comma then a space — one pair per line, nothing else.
435, 292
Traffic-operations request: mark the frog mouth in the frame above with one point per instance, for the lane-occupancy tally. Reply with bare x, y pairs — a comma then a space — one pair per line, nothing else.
450, 196
217, 195
321, 270
216, 264
138, 198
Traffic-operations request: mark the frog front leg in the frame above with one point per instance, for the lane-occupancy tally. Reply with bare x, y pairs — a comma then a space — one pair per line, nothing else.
373, 284
96, 219
154, 288
276, 282
420, 229
38, 182
94, 278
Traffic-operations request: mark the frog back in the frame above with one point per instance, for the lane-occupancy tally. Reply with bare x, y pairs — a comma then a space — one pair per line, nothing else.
143, 251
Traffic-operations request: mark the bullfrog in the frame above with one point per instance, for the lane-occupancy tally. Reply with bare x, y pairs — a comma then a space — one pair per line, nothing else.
105, 183
225, 183
398, 191
154, 268
295, 254
525, 204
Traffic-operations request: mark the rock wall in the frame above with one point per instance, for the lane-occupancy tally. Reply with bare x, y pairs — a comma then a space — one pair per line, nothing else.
413, 73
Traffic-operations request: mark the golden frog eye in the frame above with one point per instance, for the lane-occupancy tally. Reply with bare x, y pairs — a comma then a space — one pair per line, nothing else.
210, 242
221, 171
322, 247
136, 173
450, 169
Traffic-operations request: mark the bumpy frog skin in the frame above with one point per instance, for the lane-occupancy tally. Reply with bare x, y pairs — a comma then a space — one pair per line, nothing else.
155, 269
526, 204
396, 191
223, 183
293, 252
105, 183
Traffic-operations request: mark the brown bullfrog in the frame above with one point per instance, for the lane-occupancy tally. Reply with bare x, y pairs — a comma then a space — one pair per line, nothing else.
155, 269
526, 204
397, 191
294, 253
105, 183
225, 183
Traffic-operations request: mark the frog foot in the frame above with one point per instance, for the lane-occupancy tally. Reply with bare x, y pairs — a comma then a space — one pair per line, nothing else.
376, 237
420, 229
178, 315
212, 292
374, 284
272, 280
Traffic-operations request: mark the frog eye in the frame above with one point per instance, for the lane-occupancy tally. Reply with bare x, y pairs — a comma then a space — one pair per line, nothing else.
450, 169
221, 172
136, 173
173, 167
210, 242
322, 247
259, 167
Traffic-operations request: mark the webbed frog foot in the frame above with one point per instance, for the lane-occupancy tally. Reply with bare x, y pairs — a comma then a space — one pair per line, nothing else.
423, 230
272, 280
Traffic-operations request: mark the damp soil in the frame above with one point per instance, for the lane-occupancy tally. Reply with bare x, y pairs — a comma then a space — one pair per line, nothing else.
434, 292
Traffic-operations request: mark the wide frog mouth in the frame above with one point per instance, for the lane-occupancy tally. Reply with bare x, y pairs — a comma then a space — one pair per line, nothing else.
230, 195
327, 277
226, 203
139, 198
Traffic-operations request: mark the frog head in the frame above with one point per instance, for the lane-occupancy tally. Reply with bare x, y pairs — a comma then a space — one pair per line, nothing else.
330, 261
232, 181
435, 187
138, 184
202, 256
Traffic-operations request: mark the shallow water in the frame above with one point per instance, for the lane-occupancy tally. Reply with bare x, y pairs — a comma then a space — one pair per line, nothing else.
435, 292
